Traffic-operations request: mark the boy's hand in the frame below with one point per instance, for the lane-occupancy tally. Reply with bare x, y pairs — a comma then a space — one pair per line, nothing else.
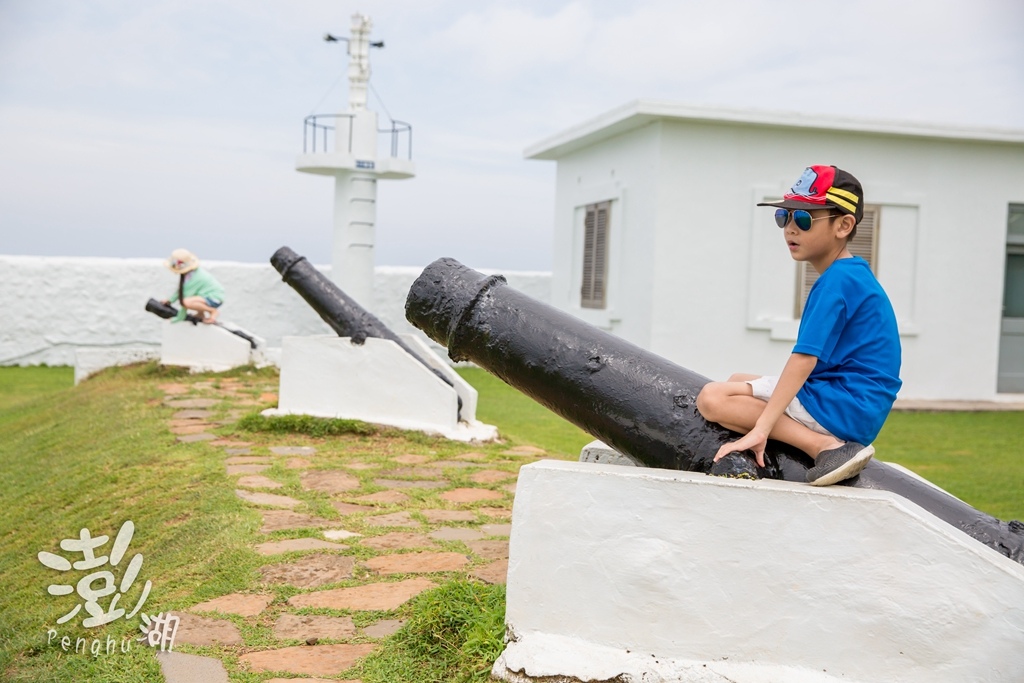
755, 440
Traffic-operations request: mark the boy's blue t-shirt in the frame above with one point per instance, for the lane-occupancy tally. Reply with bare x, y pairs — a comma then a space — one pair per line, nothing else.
849, 326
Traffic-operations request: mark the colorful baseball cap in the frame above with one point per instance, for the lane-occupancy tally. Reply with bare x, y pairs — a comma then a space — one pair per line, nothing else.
824, 187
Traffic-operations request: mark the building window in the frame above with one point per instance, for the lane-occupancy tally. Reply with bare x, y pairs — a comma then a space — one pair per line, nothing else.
594, 291
865, 245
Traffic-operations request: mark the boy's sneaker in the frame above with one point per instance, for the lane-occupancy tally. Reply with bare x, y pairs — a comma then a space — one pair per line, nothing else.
838, 464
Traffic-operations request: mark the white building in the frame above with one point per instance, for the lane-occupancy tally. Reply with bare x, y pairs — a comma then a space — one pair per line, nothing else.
658, 238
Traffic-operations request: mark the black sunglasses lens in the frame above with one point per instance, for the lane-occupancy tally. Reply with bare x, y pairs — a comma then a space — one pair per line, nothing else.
781, 217
802, 219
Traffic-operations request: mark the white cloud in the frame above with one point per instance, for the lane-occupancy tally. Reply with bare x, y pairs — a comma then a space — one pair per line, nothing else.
506, 41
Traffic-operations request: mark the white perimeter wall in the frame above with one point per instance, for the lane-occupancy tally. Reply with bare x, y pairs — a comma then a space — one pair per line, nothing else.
49, 306
700, 275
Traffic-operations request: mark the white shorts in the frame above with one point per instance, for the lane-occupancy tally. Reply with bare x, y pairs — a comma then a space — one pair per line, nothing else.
763, 388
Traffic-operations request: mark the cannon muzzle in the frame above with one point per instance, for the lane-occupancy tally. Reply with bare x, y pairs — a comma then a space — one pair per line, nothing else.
639, 403
159, 308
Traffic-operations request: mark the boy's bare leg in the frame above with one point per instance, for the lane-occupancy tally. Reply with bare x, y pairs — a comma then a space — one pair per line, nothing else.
732, 405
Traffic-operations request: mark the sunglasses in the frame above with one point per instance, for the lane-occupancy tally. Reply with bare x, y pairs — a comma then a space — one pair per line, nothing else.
802, 218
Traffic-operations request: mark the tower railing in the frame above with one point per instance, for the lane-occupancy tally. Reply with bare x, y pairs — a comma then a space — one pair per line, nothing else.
319, 131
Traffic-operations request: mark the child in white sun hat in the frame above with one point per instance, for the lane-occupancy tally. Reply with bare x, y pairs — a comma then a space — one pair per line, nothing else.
198, 291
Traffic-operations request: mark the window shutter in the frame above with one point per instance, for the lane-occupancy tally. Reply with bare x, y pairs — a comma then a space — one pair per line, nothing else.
593, 292
865, 245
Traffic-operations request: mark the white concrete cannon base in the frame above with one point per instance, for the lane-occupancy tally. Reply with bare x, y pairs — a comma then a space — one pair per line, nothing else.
206, 348
379, 382
638, 574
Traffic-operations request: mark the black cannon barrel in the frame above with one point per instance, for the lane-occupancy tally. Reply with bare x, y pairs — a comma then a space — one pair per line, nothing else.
345, 316
639, 403
338, 309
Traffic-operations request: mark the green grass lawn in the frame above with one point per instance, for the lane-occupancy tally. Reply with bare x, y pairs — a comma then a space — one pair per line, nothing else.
100, 453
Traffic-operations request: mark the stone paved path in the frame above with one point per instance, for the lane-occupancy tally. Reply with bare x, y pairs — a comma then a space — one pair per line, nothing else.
349, 537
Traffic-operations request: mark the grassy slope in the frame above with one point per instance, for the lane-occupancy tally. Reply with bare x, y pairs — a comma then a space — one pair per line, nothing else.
95, 456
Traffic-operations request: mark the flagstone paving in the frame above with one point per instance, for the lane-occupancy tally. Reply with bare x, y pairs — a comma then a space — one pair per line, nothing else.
191, 402
279, 520
257, 481
192, 429
329, 481
306, 626
383, 628
495, 572
397, 540
294, 544
247, 460
361, 466
322, 660
464, 495
311, 571
193, 438
405, 515
269, 499
410, 483
172, 423
472, 456
179, 667
411, 459
489, 550
193, 414
453, 533
373, 596
196, 630
340, 534
416, 563
459, 464
503, 513
439, 516
245, 469
490, 476
393, 519
414, 472
388, 497
244, 604
349, 508
231, 442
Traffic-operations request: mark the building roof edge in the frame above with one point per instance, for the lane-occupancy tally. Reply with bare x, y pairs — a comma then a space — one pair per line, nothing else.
639, 113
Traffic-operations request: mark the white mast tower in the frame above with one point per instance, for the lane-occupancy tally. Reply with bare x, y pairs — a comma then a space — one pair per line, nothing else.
354, 162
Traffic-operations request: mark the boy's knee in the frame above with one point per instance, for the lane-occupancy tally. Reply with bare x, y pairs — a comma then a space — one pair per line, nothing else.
708, 399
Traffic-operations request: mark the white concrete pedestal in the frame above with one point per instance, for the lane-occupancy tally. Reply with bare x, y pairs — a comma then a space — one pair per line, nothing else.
376, 382
657, 575
203, 348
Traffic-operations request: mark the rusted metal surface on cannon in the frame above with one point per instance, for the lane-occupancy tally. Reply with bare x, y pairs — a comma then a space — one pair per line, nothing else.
635, 401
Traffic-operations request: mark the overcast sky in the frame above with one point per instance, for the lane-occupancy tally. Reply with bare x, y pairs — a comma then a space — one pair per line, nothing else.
131, 127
